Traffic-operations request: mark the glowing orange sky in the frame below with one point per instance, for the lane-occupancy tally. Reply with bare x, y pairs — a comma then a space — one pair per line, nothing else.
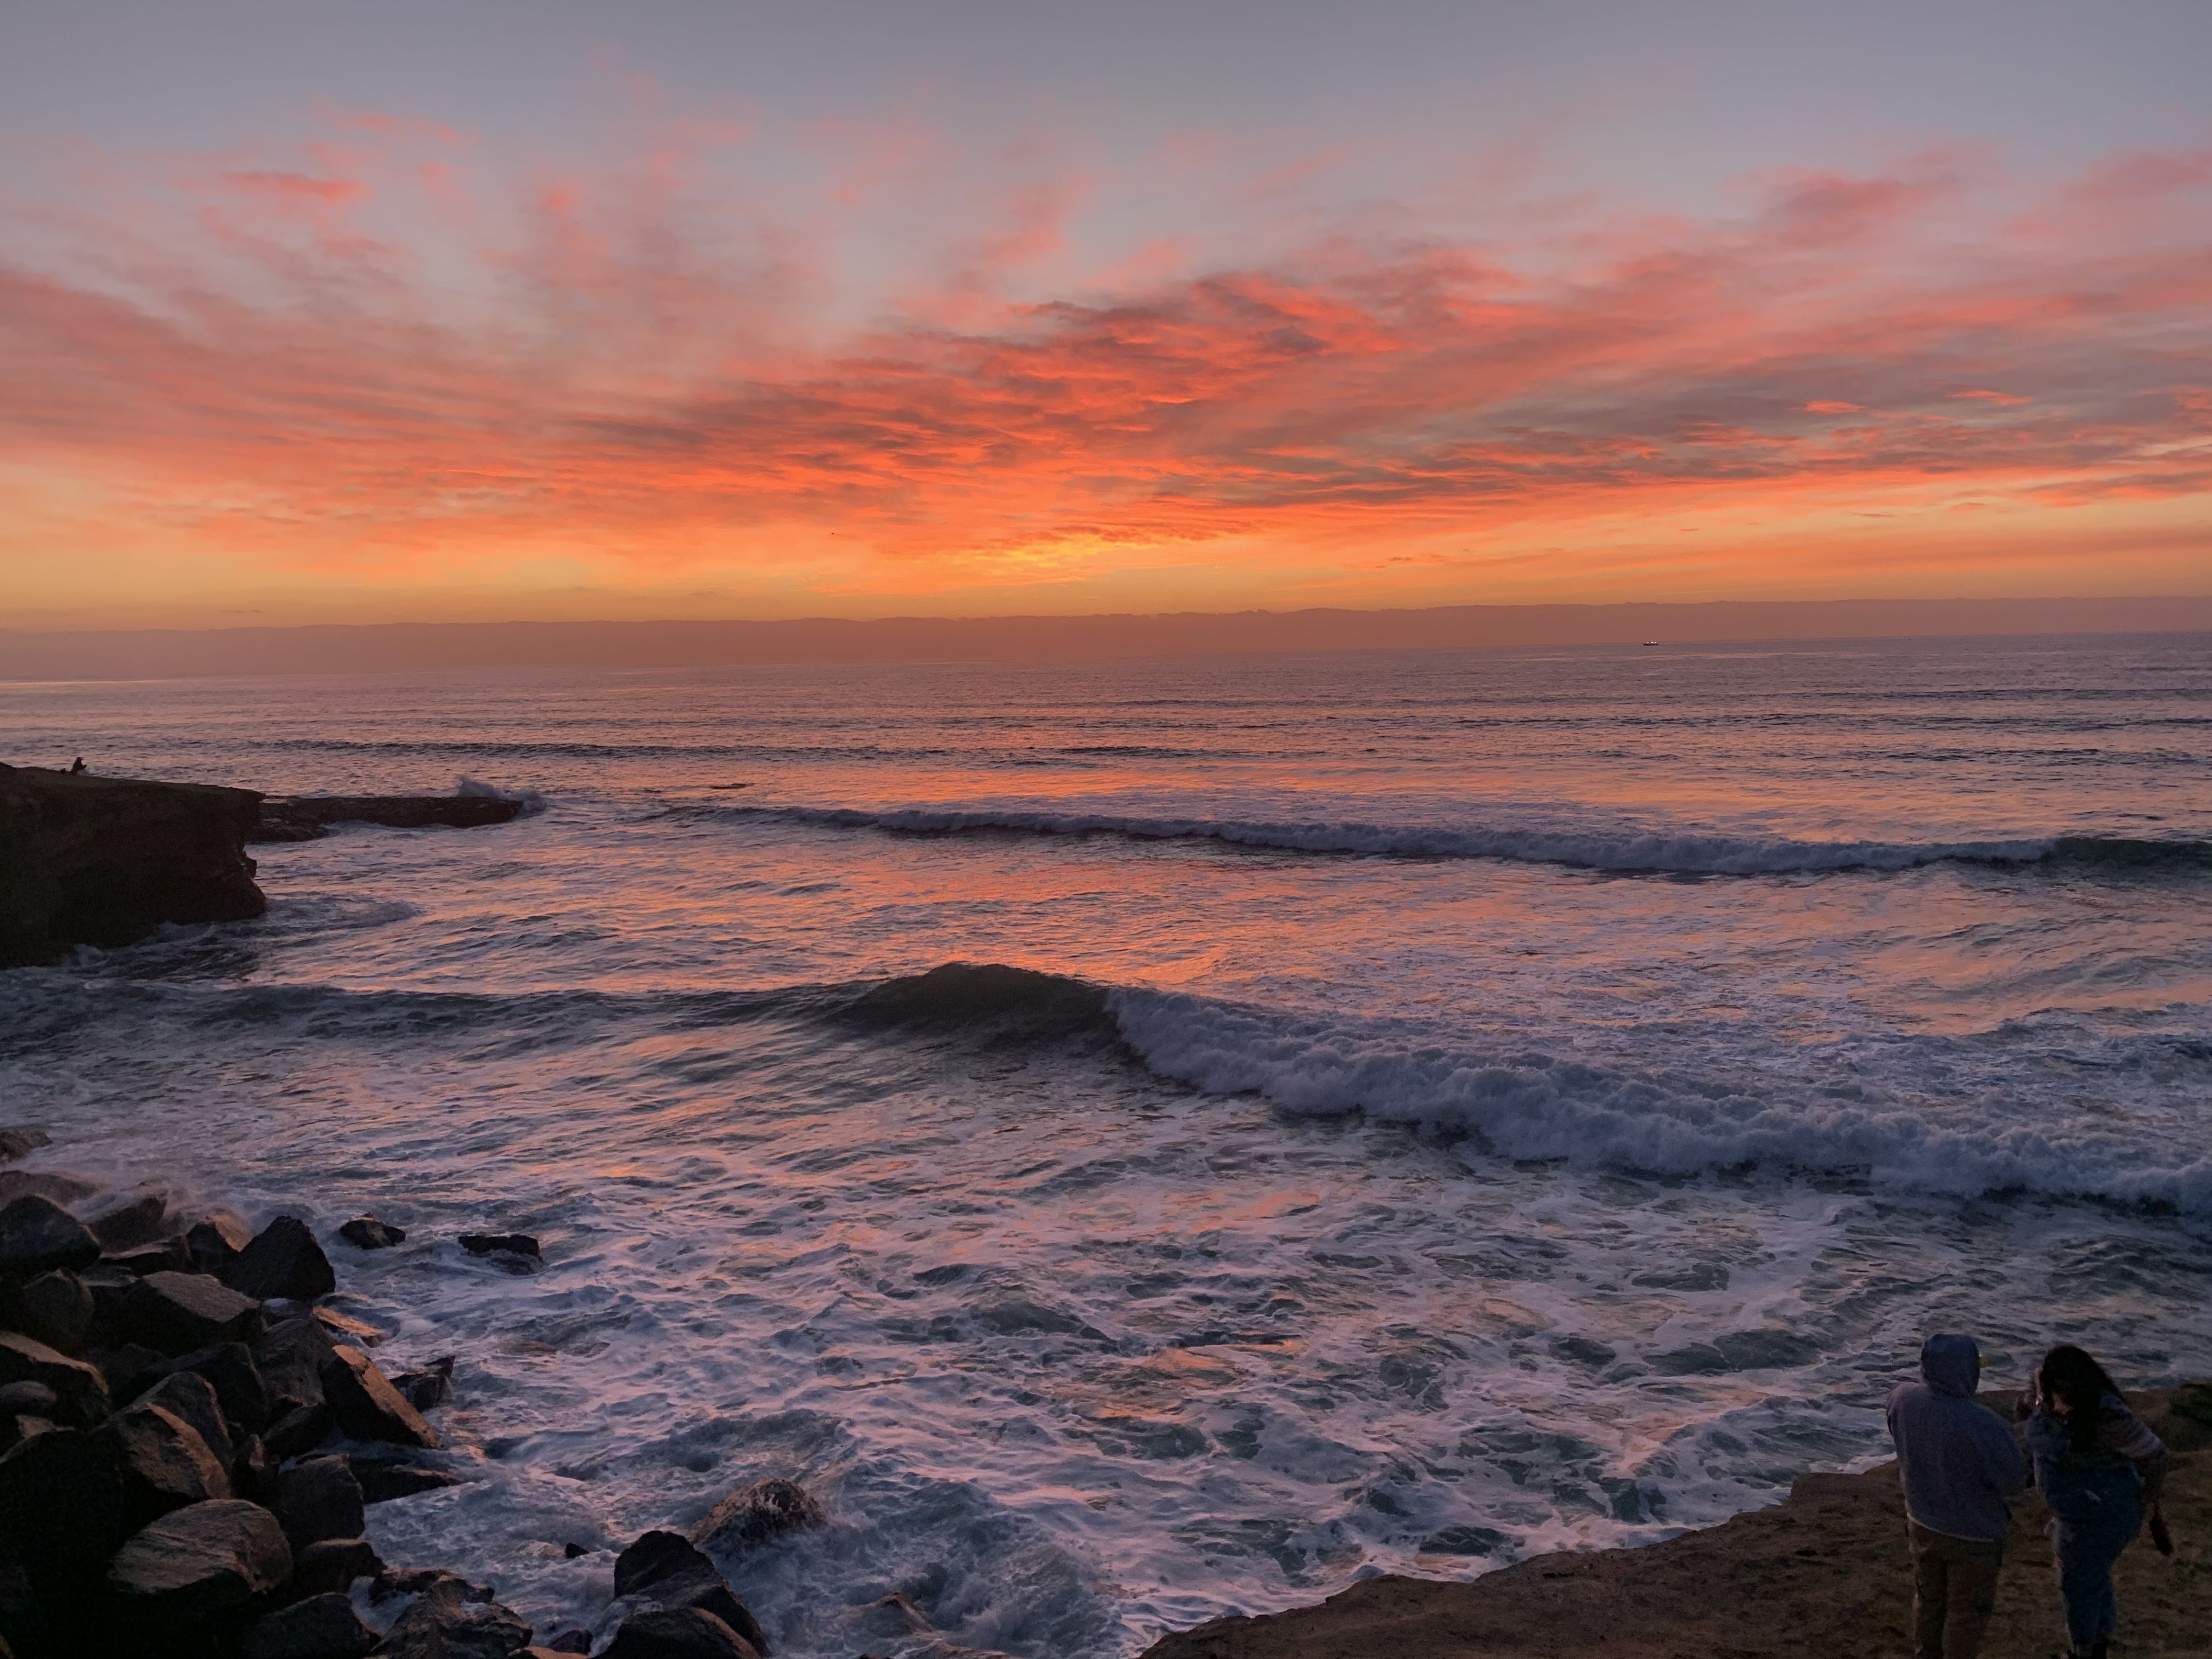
370, 378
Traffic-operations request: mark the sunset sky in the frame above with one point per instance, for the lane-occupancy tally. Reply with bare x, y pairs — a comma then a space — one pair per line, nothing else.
489, 310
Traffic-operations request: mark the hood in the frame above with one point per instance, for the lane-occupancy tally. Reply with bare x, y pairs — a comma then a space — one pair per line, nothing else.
1952, 1364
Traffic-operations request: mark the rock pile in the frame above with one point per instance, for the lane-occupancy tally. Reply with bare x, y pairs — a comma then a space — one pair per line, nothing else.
169, 1487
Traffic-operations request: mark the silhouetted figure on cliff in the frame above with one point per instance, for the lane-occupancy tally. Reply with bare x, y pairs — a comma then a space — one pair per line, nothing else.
78, 770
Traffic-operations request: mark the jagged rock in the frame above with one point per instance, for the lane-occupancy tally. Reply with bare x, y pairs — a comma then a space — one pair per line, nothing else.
122, 1221
194, 1565
318, 1499
367, 1406
129, 1370
253, 1472
168, 1255
106, 860
321, 1627
216, 1238
440, 1624
344, 1327
500, 1244
38, 1236
690, 1633
333, 1564
27, 1396
290, 1357
365, 1232
230, 1370
21, 1141
163, 1463
46, 1183
429, 1387
55, 1308
382, 1480
424, 1581
753, 1515
178, 1313
666, 1567
82, 1389
192, 1398
284, 1259
298, 1432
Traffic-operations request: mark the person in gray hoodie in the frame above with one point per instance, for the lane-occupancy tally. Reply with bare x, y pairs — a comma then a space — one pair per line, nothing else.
1959, 1466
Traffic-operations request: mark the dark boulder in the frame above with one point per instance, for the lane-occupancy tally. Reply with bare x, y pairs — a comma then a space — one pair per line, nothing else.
321, 1627
35, 1398
56, 1308
195, 1565
344, 1327
216, 1238
318, 1499
61, 1505
667, 1568
754, 1515
290, 1357
365, 1232
308, 818
81, 1388
383, 1479
367, 1406
129, 1370
163, 1463
230, 1370
253, 1472
298, 1432
179, 1313
107, 861
37, 1236
123, 1221
46, 1183
687, 1633
20, 1141
284, 1259
430, 1386
442, 1624
168, 1255
332, 1564
192, 1398
500, 1244
569, 1641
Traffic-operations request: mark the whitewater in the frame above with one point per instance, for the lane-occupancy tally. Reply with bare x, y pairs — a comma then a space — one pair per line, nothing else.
1145, 1139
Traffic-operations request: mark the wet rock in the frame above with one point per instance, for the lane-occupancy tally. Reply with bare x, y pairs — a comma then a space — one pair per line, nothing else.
179, 1313
365, 1232
37, 1236
192, 1398
686, 1633
308, 818
383, 1480
230, 1370
425, 1581
569, 1641
669, 1569
46, 1183
216, 1238
318, 1499
284, 1259
333, 1564
321, 1627
344, 1327
367, 1406
27, 1396
192, 1566
440, 1624
81, 1390
55, 1308
753, 1515
168, 1255
298, 1432
515, 1245
290, 1357
122, 1221
429, 1387
20, 1141
895, 1619
163, 1463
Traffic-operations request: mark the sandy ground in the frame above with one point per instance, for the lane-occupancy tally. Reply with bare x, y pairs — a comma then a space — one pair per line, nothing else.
1823, 1576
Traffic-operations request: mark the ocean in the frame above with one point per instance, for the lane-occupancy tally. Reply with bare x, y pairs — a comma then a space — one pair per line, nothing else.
1142, 1140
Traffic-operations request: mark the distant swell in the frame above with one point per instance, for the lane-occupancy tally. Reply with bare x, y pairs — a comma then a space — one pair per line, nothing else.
1625, 850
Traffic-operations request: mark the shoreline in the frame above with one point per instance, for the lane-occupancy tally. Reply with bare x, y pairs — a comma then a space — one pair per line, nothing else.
1822, 1574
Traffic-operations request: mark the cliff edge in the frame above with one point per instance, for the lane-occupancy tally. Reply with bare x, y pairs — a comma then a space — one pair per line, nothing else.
88, 861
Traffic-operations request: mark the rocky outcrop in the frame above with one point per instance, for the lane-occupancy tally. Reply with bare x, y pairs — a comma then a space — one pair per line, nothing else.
87, 860
309, 817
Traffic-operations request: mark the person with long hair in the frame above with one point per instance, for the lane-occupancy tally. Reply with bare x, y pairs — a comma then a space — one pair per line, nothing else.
2099, 1468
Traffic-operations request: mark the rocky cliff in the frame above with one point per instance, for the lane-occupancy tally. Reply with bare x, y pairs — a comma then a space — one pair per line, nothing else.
87, 860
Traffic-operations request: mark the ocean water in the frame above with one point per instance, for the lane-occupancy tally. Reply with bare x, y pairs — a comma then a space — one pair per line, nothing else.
1150, 1138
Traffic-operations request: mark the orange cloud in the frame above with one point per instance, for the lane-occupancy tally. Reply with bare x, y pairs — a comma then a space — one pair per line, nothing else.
638, 373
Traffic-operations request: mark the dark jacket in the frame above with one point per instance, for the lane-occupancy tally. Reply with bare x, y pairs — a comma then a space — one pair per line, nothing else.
1957, 1459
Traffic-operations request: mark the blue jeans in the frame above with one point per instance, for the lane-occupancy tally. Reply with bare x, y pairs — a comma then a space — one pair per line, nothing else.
2085, 1551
